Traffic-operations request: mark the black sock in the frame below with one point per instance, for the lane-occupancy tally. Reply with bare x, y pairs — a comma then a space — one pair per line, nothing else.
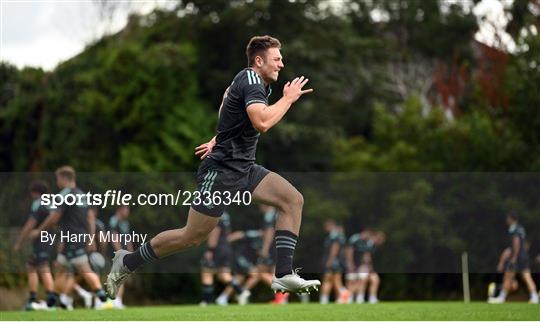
101, 295
145, 254
207, 293
285, 244
51, 299
237, 288
32, 297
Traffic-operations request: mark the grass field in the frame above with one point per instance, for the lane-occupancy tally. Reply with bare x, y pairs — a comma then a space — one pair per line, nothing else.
383, 311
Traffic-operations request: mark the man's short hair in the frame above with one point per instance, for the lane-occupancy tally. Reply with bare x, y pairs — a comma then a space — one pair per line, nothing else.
39, 186
66, 172
258, 45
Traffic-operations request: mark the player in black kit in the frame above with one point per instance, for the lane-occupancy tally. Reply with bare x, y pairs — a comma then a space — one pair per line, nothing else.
217, 261
518, 262
229, 167
72, 219
38, 263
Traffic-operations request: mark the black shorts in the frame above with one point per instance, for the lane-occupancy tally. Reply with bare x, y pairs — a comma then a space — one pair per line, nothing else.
214, 176
335, 267
222, 259
522, 264
40, 254
270, 260
243, 264
74, 253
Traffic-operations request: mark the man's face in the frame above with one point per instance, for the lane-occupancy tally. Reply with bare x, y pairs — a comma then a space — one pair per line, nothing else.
271, 65
60, 182
379, 238
124, 212
328, 225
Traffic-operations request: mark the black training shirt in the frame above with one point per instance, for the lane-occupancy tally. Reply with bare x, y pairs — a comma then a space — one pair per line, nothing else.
236, 139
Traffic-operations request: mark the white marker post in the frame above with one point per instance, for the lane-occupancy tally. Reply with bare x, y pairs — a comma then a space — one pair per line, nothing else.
465, 276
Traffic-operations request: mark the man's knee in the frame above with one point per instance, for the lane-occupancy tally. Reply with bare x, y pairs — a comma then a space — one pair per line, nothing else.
293, 202
43, 268
198, 236
298, 200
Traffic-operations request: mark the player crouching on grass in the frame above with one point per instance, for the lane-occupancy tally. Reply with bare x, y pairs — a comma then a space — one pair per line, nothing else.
229, 166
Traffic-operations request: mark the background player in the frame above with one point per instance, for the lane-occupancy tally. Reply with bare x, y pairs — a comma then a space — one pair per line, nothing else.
229, 166
70, 281
217, 261
331, 264
517, 263
361, 271
495, 288
37, 265
246, 247
72, 219
119, 224
266, 255
374, 280
357, 270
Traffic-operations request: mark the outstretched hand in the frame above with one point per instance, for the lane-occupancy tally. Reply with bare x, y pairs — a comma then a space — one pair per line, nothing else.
204, 149
293, 89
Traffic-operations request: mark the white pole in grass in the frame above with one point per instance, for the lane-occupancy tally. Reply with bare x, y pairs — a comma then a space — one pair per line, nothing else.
465, 277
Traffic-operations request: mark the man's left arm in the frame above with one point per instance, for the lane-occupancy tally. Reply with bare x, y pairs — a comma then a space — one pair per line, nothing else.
51, 219
204, 149
334, 250
516, 248
91, 227
27, 228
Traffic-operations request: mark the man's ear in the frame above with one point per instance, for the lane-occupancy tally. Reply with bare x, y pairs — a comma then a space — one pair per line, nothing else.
259, 61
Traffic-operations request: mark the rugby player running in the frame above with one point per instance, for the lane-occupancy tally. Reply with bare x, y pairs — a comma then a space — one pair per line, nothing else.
229, 165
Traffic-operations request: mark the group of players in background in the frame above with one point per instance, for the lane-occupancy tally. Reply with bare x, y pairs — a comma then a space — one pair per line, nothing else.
76, 261
238, 259
242, 259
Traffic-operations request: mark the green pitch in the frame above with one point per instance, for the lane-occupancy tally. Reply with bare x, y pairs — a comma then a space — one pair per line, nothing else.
383, 311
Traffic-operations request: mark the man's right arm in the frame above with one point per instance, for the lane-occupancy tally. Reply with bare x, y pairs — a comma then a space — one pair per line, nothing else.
264, 117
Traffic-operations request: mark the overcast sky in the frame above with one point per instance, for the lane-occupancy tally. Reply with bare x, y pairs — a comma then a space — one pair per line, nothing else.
42, 33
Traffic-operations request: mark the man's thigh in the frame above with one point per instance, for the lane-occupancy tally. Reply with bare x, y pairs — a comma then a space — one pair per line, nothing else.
199, 223
508, 276
273, 190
